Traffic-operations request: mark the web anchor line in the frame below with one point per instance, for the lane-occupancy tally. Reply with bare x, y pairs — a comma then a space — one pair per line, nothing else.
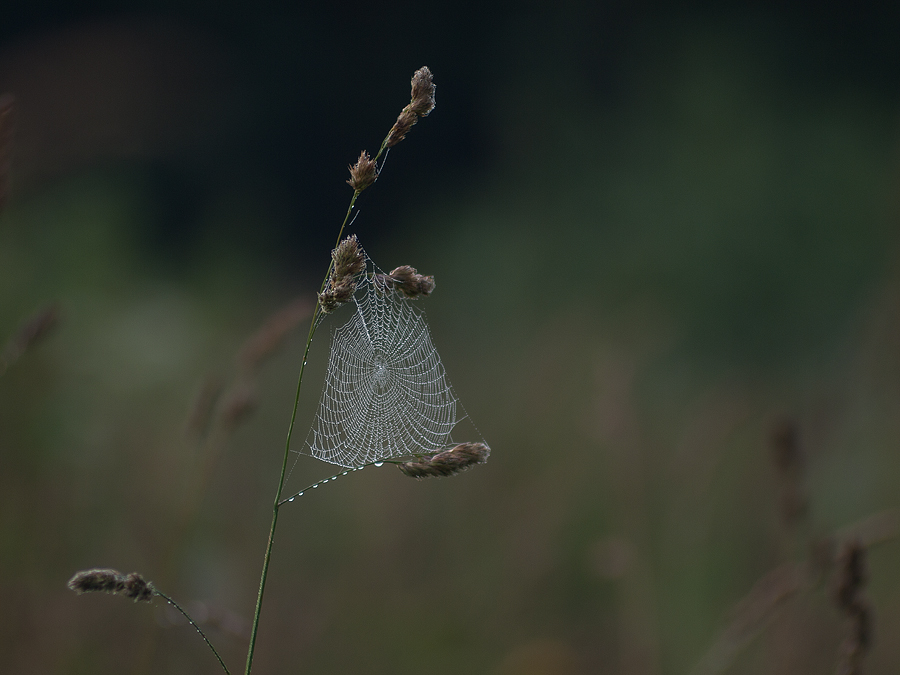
345, 472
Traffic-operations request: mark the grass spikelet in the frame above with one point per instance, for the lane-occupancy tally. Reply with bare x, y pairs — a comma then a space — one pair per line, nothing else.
447, 463
421, 103
113, 582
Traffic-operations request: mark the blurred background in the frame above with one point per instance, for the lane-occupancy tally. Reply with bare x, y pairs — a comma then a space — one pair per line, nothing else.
668, 295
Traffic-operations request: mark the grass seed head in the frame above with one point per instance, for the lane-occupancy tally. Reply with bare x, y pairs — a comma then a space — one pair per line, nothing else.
363, 173
132, 585
409, 282
348, 262
447, 463
421, 103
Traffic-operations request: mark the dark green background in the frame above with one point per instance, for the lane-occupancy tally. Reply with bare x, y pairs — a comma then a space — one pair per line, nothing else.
655, 231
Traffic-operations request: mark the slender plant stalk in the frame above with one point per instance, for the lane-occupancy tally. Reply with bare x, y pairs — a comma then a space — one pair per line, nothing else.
194, 624
287, 449
317, 312
361, 176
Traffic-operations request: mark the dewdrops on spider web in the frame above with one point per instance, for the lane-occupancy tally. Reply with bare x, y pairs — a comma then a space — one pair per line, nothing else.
386, 393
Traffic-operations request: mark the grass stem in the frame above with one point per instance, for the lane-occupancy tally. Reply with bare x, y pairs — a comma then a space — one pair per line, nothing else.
194, 624
421, 103
287, 450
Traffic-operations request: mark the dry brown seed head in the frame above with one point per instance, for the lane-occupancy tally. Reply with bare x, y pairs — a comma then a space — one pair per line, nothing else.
112, 581
137, 588
98, 580
422, 97
337, 295
363, 173
411, 283
425, 285
448, 462
328, 303
343, 290
403, 274
404, 123
349, 259
421, 103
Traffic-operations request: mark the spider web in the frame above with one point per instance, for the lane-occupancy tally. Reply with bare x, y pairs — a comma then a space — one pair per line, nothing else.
386, 393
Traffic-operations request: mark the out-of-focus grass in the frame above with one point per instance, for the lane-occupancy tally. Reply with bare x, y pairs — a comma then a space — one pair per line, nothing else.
625, 303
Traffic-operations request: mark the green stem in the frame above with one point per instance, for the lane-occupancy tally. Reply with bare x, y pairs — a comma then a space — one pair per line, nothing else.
194, 624
287, 451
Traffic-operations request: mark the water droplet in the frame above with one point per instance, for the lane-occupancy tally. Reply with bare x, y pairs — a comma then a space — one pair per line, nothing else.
291, 499
345, 473
316, 485
299, 494
379, 463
